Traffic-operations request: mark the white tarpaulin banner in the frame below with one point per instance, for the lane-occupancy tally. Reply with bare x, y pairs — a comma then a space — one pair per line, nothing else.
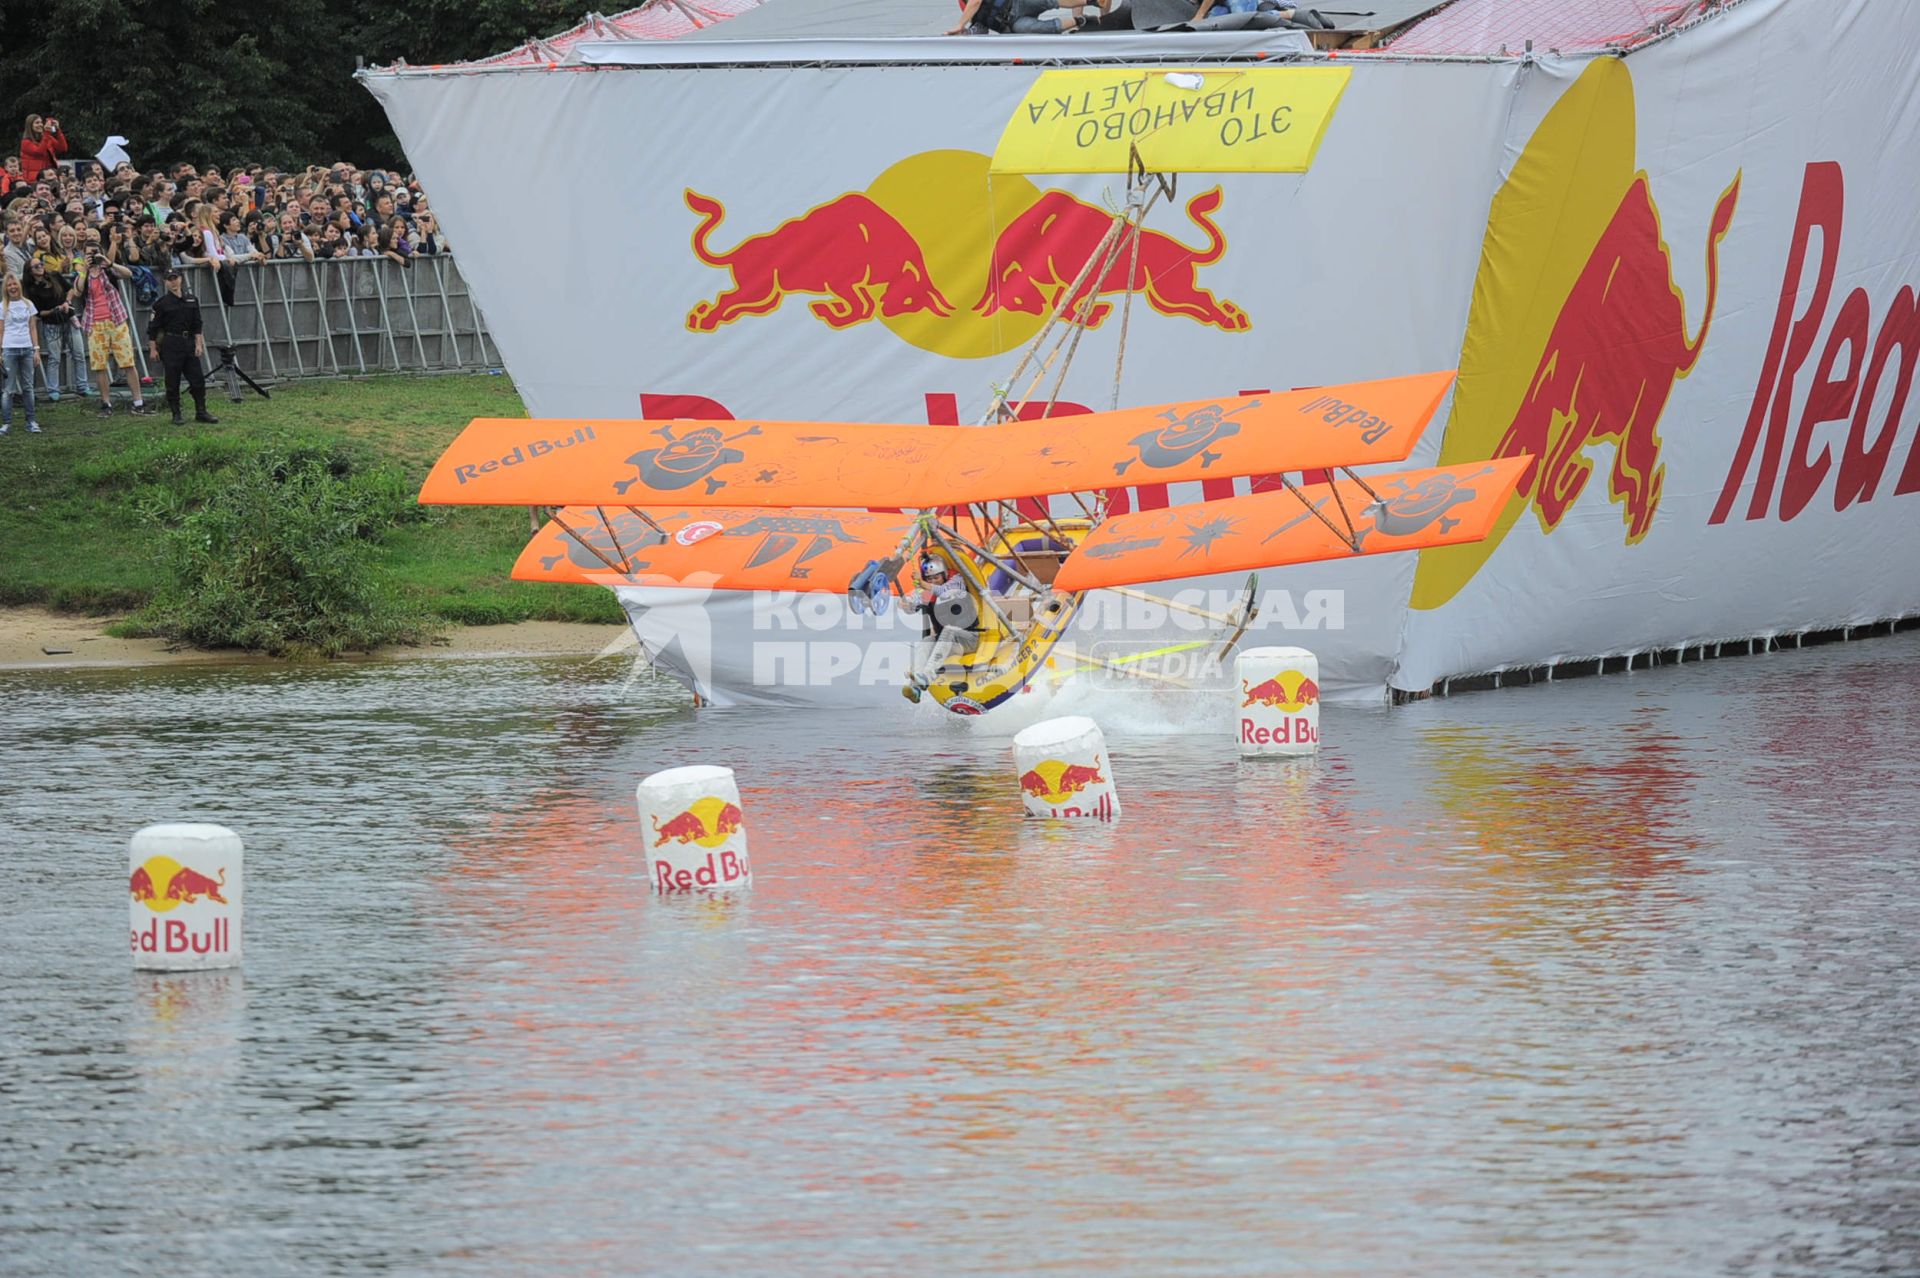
1600, 245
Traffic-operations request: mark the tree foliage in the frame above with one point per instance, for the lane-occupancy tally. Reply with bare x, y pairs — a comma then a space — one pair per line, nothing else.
235, 81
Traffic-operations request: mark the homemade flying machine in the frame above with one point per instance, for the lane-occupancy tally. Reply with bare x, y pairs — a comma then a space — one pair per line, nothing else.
840, 506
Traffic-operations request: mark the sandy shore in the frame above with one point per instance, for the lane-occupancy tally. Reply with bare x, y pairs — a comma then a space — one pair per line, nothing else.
33, 638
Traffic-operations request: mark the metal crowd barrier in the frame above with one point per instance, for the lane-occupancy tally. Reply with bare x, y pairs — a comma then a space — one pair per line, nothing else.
336, 318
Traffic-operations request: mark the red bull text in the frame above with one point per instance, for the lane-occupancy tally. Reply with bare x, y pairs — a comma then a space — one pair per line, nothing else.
1780, 455
1292, 730
174, 936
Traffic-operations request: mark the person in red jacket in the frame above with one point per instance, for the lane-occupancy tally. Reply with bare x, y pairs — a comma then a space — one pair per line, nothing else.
41, 146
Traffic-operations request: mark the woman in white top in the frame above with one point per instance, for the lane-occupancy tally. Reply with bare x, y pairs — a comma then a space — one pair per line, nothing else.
19, 352
213, 254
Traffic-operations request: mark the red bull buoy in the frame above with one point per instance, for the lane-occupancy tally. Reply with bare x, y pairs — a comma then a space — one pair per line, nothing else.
185, 884
1277, 702
695, 833
1064, 770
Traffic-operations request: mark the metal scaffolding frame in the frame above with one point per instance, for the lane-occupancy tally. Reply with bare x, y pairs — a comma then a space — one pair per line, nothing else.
342, 317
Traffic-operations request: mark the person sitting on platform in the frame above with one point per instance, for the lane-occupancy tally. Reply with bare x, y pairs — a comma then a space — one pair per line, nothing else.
948, 617
1023, 17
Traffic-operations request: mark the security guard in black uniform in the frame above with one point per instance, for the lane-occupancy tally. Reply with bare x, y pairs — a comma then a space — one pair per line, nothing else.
174, 338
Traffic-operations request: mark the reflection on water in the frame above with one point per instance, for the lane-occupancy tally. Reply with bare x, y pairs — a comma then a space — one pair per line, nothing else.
1605, 977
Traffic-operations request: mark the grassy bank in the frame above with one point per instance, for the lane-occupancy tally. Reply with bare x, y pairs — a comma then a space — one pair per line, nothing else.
89, 502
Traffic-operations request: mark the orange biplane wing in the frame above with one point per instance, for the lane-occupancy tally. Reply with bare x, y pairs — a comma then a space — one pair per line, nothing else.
519, 462
704, 546
1445, 506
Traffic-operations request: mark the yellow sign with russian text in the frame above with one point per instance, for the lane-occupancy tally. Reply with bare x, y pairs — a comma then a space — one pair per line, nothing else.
1182, 120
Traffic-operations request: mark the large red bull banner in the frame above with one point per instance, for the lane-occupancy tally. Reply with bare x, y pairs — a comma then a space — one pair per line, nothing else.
1691, 307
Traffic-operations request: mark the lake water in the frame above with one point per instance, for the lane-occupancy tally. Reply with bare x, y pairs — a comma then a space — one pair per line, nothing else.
1610, 976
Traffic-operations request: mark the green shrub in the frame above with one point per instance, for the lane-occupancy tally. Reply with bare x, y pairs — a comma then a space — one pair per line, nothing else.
280, 557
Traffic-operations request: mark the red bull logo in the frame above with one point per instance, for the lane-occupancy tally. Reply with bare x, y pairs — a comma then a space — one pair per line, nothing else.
162, 884
1038, 257
933, 228
1053, 782
1577, 333
850, 251
707, 823
1291, 691
532, 450
1609, 365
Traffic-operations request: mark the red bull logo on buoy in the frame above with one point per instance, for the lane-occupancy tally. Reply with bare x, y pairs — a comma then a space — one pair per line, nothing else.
1290, 690
710, 823
706, 823
162, 884
1054, 782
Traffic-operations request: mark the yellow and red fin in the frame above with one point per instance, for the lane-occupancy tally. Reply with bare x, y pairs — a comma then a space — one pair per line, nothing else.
1441, 506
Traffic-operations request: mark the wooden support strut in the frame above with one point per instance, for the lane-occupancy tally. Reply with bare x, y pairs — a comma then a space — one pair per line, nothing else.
626, 560
588, 546
647, 519
1202, 613
1348, 536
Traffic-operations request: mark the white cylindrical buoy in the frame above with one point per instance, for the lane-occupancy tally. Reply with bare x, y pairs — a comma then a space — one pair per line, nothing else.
696, 835
186, 883
1064, 770
1279, 710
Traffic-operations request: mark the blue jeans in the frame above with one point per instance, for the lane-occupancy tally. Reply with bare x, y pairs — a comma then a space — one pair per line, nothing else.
59, 343
1027, 19
18, 363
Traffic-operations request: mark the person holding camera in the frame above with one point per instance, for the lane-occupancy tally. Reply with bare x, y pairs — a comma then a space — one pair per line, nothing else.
41, 146
47, 289
116, 235
175, 338
103, 318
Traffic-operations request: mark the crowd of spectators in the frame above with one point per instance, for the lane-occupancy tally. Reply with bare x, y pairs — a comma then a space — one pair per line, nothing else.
1062, 17
66, 216
181, 215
